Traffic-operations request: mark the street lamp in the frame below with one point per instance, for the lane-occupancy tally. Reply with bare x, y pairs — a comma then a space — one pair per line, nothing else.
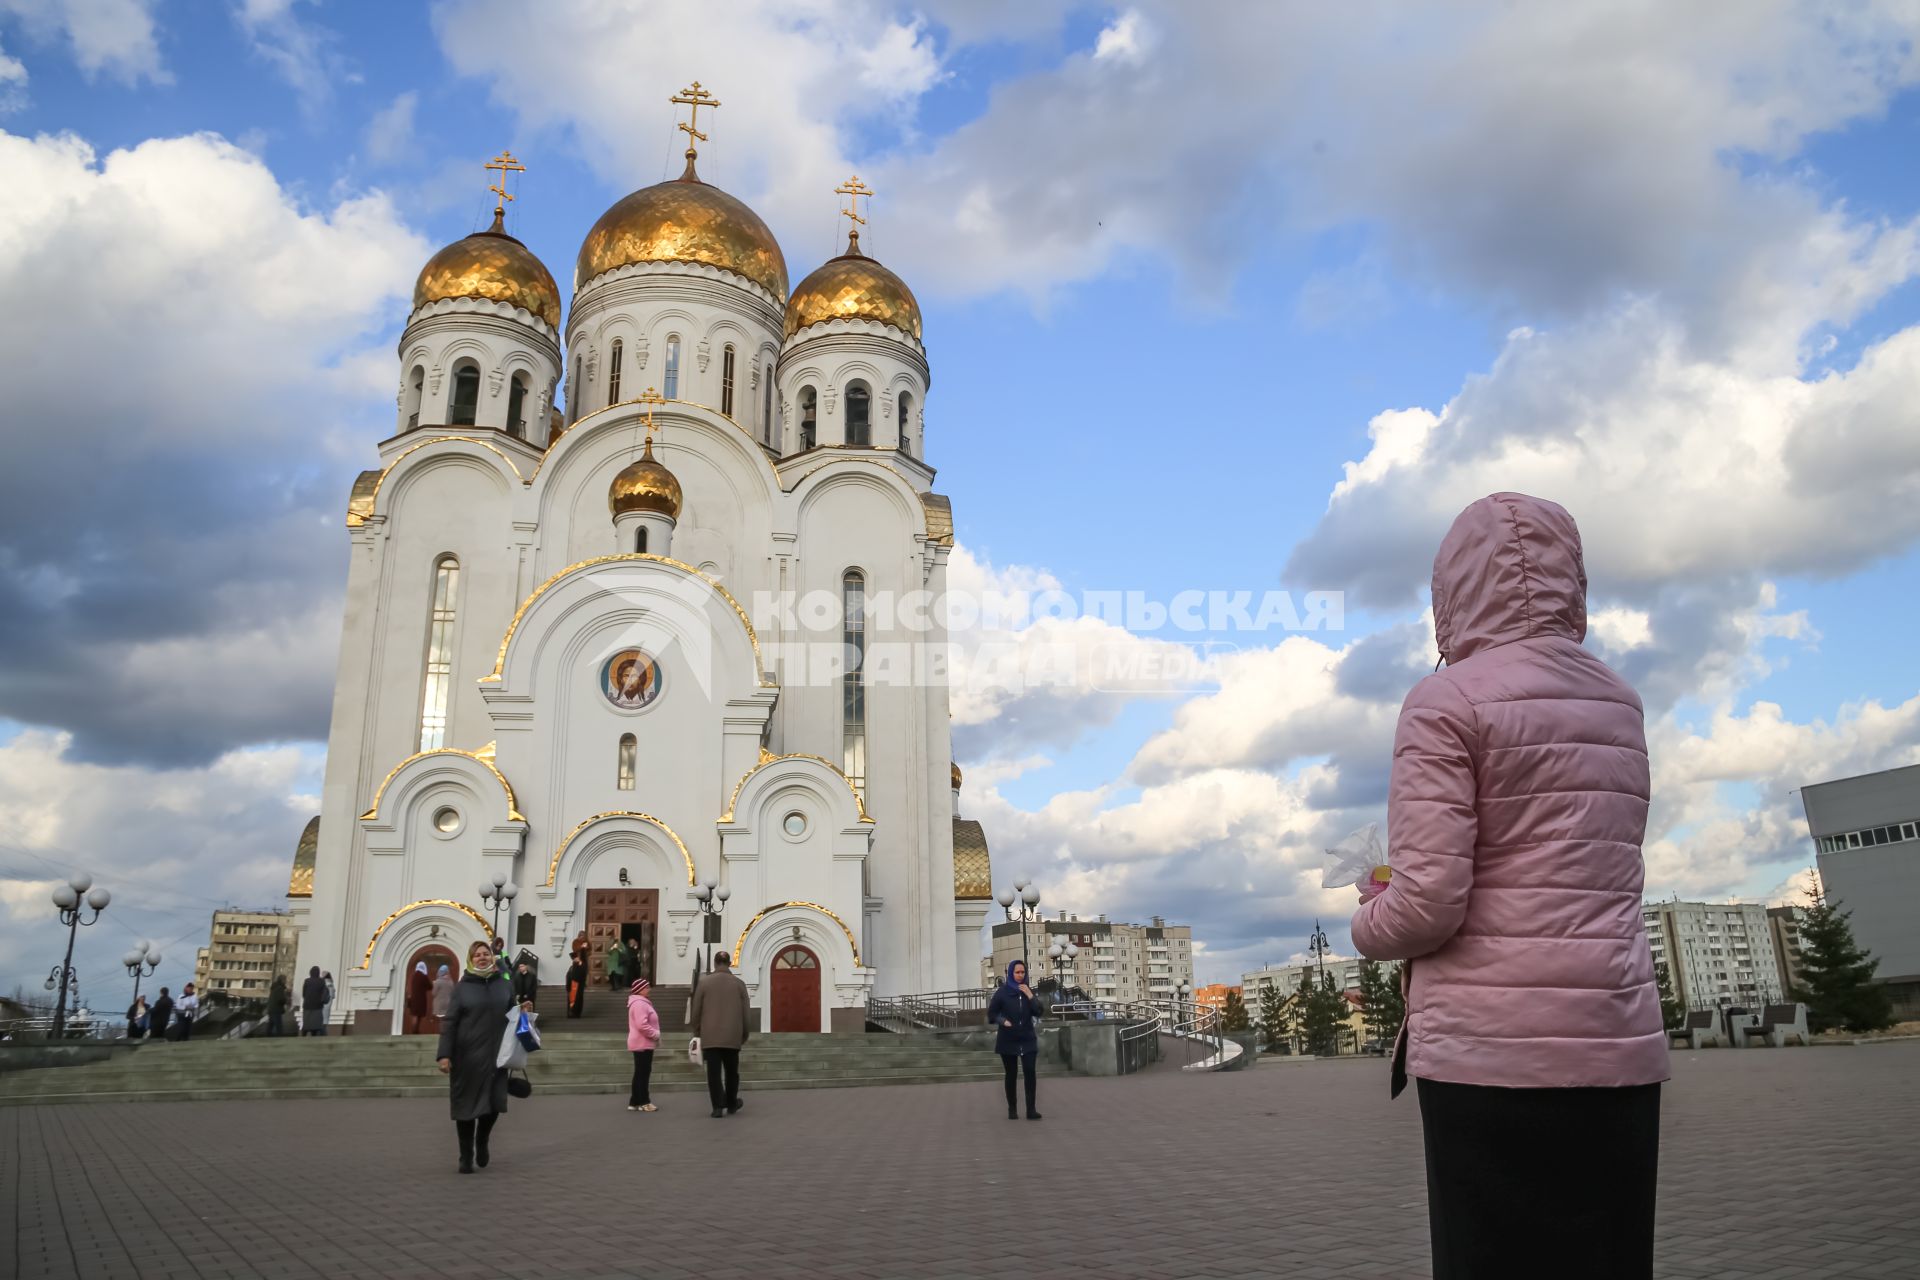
712, 897
67, 899
497, 895
141, 962
1317, 944
1062, 954
1027, 894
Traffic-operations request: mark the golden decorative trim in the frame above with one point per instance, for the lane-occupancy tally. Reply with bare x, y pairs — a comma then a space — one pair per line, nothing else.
367, 959
939, 509
361, 502
972, 864
486, 761
491, 750
741, 942
553, 868
767, 758
305, 853
753, 638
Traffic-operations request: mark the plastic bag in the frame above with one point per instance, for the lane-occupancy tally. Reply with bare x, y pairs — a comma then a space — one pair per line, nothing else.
512, 1052
1353, 859
693, 1052
527, 1033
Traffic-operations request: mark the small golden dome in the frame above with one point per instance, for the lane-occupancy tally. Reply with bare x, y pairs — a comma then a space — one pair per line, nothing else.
853, 287
492, 265
684, 221
645, 485
956, 774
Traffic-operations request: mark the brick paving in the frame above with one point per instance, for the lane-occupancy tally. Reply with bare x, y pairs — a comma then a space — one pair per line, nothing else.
1786, 1163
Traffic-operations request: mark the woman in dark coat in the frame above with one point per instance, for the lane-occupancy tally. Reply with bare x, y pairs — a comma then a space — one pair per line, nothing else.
469, 1046
1013, 1010
577, 985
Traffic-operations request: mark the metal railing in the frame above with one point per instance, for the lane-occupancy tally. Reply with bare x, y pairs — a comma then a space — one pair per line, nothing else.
935, 1011
1196, 1024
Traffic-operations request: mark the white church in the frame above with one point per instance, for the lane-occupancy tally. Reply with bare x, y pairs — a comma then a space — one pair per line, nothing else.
558, 669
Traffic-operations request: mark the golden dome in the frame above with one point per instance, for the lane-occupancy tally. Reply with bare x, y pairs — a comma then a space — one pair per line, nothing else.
956, 774
684, 221
493, 265
853, 287
645, 485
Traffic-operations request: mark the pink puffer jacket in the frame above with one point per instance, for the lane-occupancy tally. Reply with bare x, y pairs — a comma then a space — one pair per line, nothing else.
1515, 814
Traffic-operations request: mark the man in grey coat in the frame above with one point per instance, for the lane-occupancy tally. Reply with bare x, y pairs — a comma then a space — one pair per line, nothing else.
719, 1019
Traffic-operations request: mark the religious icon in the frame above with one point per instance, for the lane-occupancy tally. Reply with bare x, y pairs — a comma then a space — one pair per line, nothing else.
631, 680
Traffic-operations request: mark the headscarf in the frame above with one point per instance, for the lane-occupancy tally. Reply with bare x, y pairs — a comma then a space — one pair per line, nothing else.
1010, 984
639, 987
480, 959
420, 967
444, 973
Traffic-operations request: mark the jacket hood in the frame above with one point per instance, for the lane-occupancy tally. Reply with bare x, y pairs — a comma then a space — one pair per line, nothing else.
1509, 569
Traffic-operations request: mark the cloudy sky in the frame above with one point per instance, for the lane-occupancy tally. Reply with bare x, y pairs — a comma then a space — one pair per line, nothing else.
1245, 303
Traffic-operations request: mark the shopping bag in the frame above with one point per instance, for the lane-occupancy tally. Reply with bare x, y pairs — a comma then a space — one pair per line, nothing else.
1355, 858
512, 1052
527, 1033
693, 1052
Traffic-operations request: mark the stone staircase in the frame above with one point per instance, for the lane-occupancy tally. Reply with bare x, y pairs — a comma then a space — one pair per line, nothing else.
577, 1062
606, 1013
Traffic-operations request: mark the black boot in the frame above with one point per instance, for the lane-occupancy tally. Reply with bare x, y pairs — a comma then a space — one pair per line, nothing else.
465, 1129
480, 1141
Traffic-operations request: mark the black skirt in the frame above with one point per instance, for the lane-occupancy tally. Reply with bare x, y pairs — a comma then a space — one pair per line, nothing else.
1533, 1182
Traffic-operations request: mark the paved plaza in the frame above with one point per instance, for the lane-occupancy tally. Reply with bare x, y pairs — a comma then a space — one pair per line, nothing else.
1783, 1163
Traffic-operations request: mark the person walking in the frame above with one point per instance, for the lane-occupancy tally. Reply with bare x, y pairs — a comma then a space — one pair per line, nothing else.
470, 1038
1517, 805
277, 1006
442, 995
419, 998
137, 1019
577, 985
1013, 1010
643, 1037
159, 1016
313, 1004
326, 1010
718, 1019
636, 963
616, 960
185, 1010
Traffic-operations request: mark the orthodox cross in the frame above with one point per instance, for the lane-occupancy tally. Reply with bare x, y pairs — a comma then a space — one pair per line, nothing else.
693, 98
853, 189
505, 163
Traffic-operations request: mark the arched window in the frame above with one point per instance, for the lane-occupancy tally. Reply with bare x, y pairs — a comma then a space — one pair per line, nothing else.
439, 676
466, 395
573, 393
853, 688
809, 408
517, 406
416, 390
766, 405
859, 414
671, 388
629, 756
726, 380
906, 422
640, 540
613, 371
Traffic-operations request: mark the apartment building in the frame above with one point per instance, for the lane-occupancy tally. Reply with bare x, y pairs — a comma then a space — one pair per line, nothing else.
1717, 953
246, 950
1114, 961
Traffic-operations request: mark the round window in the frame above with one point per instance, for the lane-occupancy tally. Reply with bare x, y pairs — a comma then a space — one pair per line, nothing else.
795, 825
447, 821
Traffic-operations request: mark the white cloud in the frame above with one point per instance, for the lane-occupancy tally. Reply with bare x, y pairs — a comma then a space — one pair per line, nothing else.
390, 134
300, 52
116, 37
13, 84
1126, 40
199, 340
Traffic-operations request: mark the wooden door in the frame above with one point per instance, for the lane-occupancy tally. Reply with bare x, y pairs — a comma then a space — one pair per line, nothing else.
623, 914
796, 990
422, 1022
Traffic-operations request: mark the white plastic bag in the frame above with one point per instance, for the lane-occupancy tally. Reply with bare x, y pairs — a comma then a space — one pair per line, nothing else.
512, 1053
1353, 859
693, 1052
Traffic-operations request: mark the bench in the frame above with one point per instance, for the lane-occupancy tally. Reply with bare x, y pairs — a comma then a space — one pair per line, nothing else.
1779, 1025
1701, 1030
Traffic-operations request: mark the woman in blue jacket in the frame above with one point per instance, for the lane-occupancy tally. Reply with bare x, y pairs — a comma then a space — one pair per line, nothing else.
1014, 1009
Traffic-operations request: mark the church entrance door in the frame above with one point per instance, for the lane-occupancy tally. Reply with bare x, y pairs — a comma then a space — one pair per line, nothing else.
631, 915
420, 1020
796, 990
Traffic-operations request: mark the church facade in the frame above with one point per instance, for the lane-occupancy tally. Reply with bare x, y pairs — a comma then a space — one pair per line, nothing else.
620, 659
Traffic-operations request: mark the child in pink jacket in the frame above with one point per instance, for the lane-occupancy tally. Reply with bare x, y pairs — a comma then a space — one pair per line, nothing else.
1516, 809
643, 1037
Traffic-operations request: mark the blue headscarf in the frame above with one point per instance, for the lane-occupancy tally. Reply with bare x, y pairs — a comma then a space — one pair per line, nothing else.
1010, 984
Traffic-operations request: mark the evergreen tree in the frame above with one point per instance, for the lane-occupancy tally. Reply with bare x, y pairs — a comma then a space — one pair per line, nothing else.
1234, 1016
1672, 1012
1297, 1006
1325, 1010
1840, 990
1381, 1004
1273, 1014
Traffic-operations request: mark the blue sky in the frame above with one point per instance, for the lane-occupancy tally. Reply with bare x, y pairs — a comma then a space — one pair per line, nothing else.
1669, 286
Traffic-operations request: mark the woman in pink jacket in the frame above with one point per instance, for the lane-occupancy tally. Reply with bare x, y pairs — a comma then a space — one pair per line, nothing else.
1516, 809
643, 1037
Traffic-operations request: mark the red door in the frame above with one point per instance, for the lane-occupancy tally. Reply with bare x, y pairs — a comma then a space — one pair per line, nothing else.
420, 1020
796, 990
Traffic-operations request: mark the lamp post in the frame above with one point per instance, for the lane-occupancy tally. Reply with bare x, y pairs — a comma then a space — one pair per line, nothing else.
1317, 944
1027, 894
141, 962
712, 897
67, 899
1062, 954
497, 895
